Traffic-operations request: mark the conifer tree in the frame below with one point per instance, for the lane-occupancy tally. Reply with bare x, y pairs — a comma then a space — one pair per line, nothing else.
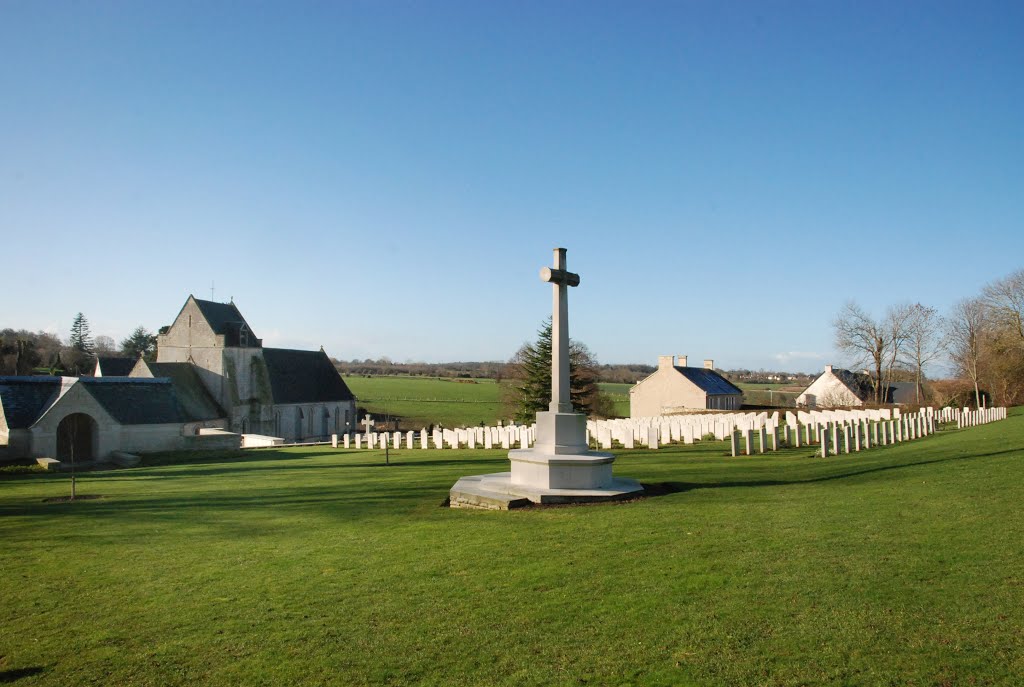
80, 340
530, 371
140, 344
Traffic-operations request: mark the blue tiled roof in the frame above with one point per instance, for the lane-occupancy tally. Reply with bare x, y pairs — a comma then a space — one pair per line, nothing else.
25, 398
709, 381
136, 401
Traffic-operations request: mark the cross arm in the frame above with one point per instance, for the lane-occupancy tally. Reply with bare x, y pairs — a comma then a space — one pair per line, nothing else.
558, 276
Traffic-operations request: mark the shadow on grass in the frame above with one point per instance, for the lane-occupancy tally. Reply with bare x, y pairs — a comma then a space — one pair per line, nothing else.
234, 469
15, 674
673, 487
400, 491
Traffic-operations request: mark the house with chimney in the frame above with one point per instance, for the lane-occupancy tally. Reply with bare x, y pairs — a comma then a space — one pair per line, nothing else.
676, 387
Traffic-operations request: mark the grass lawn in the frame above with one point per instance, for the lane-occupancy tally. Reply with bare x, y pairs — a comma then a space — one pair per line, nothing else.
902, 565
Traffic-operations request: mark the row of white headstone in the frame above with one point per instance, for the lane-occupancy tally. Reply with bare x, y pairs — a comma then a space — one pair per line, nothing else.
851, 431
800, 427
502, 436
794, 429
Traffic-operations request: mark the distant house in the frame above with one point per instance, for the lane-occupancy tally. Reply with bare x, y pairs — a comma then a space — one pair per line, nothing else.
673, 388
836, 387
111, 366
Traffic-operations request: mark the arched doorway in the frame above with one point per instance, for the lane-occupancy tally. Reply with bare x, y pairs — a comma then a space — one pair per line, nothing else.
76, 438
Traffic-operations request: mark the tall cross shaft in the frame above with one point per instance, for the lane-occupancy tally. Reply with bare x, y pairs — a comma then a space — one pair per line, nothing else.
561, 279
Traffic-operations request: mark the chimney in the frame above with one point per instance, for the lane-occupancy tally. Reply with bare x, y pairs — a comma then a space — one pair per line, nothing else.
828, 368
682, 361
709, 364
666, 361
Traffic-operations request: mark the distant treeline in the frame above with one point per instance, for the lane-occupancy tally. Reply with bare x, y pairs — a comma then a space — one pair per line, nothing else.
624, 374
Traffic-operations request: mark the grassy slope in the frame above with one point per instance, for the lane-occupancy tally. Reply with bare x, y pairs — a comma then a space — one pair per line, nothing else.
897, 566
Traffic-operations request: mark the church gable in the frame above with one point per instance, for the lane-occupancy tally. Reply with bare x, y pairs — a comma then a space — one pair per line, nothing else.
225, 320
207, 324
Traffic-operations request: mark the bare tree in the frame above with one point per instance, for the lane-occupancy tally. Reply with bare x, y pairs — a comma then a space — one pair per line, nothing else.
966, 330
1005, 300
861, 337
924, 340
896, 326
103, 344
872, 343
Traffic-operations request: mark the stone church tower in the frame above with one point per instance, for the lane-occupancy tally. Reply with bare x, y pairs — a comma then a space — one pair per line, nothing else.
293, 394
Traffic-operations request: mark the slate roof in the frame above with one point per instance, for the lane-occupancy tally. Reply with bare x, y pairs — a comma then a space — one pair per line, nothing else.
304, 377
111, 366
857, 382
193, 396
902, 392
226, 320
26, 398
709, 381
136, 401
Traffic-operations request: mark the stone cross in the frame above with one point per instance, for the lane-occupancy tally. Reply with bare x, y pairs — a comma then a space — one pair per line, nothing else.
561, 279
368, 421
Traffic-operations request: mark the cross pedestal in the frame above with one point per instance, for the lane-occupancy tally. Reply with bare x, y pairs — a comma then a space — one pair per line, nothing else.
560, 468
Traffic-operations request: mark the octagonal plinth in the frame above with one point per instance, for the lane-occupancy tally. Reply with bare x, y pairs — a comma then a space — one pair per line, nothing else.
534, 468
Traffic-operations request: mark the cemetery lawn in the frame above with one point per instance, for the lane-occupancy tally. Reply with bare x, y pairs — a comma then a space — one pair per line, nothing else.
901, 565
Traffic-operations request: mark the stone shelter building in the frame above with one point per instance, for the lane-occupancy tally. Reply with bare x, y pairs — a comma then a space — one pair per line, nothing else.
93, 417
675, 388
293, 394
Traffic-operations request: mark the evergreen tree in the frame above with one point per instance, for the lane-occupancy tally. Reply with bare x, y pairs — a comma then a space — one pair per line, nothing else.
141, 343
530, 371
80, 340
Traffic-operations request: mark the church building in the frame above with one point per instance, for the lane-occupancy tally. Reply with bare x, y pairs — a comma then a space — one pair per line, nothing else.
293, 394
213, 381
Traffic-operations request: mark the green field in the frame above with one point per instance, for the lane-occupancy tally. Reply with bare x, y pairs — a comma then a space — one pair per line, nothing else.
450, 402
423, 401
898, 566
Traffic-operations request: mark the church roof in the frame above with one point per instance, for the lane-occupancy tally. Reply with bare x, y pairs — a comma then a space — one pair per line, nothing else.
304, 377
25, 398
709, 381
112, 366
226, 320
219, 315
194, 398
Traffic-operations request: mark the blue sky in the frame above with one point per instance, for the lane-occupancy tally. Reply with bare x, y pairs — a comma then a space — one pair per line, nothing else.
387, 178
